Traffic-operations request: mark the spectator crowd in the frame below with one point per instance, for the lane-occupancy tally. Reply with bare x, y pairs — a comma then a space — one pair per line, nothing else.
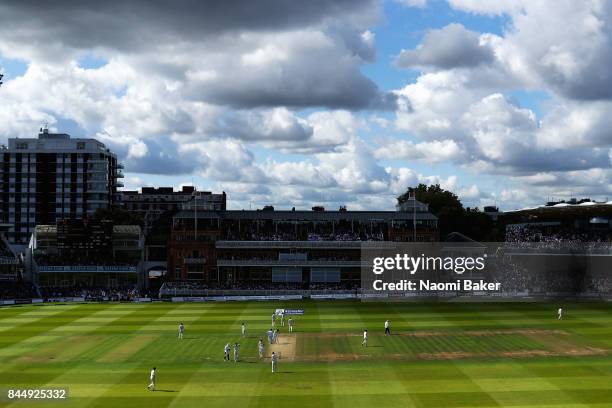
544, 237
94, 293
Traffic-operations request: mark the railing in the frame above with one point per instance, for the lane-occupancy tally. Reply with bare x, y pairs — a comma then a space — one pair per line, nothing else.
87, 268
292, 262
8, 260
252, 292
299, 244
180, 292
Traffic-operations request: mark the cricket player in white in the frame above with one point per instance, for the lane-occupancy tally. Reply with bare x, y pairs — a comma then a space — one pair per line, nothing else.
270, 336
387, 328
227, 348
243, 329
560, 314
283, 318
274, 359
236, 349
260, 347
273, 319
365, 338
151, 386
181, 330
290, 325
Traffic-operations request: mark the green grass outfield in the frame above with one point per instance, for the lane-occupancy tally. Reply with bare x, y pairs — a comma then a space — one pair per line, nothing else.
440, 355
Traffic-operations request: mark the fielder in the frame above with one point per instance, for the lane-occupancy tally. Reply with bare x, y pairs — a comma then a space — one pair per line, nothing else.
560, 314
236, 349
274, 336
270, 336
273, 319
365, 338
387, 328
181, 331
151, 386
274, 359
260, 348
243, 329
227, 349
290, 325
283, 318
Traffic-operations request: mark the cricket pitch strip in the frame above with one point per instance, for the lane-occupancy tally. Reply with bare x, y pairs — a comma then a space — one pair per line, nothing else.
431, 345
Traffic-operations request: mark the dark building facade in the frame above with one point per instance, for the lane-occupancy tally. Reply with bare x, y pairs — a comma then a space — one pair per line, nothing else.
151, 201
227, 248
54, 177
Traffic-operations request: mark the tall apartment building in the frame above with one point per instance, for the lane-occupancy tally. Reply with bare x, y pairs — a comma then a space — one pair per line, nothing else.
54, 177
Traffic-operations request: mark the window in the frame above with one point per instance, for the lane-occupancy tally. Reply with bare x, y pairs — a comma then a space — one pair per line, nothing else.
80, 145
22, 146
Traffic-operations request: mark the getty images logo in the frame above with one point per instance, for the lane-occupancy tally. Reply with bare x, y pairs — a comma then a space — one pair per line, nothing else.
411, 264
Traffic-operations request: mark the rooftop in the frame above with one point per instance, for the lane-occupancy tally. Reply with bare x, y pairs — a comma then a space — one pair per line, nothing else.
289, 215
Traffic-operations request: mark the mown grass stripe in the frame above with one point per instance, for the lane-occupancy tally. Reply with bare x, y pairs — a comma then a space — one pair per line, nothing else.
194, 367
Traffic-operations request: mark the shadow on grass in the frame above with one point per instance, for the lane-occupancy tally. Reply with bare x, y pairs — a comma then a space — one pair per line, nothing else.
165, 391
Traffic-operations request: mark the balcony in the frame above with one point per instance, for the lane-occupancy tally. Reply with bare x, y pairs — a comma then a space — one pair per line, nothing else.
119, 174
120, 166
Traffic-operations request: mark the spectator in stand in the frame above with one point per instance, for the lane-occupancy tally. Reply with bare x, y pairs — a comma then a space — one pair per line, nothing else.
10, 290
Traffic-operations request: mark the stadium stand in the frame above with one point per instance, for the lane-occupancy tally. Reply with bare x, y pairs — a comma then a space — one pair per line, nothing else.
72, 255
218, 253
17, 290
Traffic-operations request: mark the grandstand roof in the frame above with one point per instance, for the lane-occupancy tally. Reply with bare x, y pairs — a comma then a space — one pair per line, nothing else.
565, 210
590, 204
288, 215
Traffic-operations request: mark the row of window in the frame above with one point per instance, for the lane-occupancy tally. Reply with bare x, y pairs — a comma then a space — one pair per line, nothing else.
31, 205
58, 196
41, 145
78, 180
59, 156
30, 219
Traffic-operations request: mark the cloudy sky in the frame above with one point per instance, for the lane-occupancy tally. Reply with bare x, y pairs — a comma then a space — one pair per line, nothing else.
505, 102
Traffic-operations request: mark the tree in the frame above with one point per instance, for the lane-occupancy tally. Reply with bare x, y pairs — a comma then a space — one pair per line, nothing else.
452, 216
477, 225
439, 200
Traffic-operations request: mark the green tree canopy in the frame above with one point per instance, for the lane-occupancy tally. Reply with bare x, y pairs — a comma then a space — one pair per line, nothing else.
452, 216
